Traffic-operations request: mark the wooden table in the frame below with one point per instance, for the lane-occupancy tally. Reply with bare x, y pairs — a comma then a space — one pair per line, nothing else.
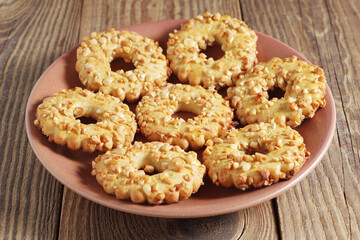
325, 205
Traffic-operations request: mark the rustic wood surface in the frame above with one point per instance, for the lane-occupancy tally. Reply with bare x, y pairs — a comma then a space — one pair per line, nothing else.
34, 205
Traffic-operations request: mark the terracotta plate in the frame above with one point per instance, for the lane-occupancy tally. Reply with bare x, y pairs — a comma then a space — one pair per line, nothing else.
72, 168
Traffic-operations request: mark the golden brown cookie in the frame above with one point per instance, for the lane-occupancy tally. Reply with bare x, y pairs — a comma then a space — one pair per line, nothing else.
57, 117
152, 172
93, 64
236, 40
154, 115
256, 155
304, 86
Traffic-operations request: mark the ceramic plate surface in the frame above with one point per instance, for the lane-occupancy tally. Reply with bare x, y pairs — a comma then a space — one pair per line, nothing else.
72, 168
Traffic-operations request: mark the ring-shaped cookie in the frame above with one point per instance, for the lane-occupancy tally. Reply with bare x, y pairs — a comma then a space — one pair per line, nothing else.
154, 115
93, 64
152, 172
256, 155
304, 86
57, 117
237, 41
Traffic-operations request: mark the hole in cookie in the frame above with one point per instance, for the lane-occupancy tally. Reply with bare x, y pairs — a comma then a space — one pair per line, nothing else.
87, 120
184, 115
276, 93
150, 170
121, 64
252, 151
214, 52
186, 111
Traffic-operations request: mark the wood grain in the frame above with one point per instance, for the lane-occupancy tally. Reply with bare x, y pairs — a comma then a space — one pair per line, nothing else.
100, 15
32, 36
345, 21
93, 221
34, 205
325, 202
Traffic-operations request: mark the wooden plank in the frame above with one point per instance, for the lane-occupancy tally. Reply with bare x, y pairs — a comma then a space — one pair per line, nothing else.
84, 219
32, 35
345, 21
112, 224
100, 15
326, 32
